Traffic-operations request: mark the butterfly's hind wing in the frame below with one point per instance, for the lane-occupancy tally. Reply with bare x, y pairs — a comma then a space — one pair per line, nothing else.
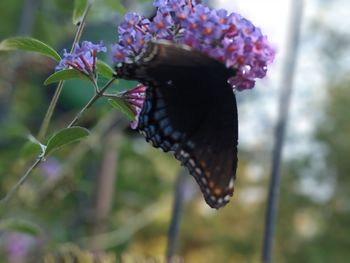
190, 109
210, 153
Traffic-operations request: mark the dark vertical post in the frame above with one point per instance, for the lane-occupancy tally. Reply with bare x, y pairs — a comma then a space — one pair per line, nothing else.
176, 214
105, 187
284, 102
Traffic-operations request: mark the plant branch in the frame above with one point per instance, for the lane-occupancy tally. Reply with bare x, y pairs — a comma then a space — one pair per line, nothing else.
98, 94
48, 116
40, 159
100, 130
20, 182
47, 119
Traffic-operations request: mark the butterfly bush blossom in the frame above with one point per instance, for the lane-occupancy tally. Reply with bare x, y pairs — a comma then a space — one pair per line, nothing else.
83, 57
135, 97
229, 38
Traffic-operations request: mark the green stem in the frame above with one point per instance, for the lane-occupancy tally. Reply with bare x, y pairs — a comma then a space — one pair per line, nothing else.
111, 95
98, 94
41, 159
47, 119
20, 182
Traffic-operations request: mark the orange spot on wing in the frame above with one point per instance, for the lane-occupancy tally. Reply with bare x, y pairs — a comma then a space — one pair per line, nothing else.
207, 174
202, 163
217, 191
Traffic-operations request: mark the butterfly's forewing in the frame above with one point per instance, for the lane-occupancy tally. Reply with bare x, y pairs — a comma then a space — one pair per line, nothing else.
190, 109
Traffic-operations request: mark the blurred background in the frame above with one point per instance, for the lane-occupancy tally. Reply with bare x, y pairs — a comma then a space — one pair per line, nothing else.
113, 193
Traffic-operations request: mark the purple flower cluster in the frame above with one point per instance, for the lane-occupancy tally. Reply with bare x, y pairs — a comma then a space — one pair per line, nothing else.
83, 57
134, 98
18, 246
229, 38
51, 168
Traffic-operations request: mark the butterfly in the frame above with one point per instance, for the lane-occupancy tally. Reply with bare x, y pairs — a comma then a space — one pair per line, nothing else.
189, 110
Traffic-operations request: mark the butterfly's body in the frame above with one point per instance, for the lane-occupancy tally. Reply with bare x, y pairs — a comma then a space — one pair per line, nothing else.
190, 110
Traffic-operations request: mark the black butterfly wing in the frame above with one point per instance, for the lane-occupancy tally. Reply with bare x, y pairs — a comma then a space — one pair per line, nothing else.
190, 109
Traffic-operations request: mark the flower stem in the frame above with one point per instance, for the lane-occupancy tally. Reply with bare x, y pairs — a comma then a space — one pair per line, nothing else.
41, 159
47, 119
98, 94
20, 182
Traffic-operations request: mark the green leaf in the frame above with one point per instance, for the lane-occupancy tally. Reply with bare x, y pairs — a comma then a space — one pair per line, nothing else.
65, 74
65, 136
104, 69
79, 9
30, 150
116, 5
20, 225
29, 44
120, 105
32, 139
